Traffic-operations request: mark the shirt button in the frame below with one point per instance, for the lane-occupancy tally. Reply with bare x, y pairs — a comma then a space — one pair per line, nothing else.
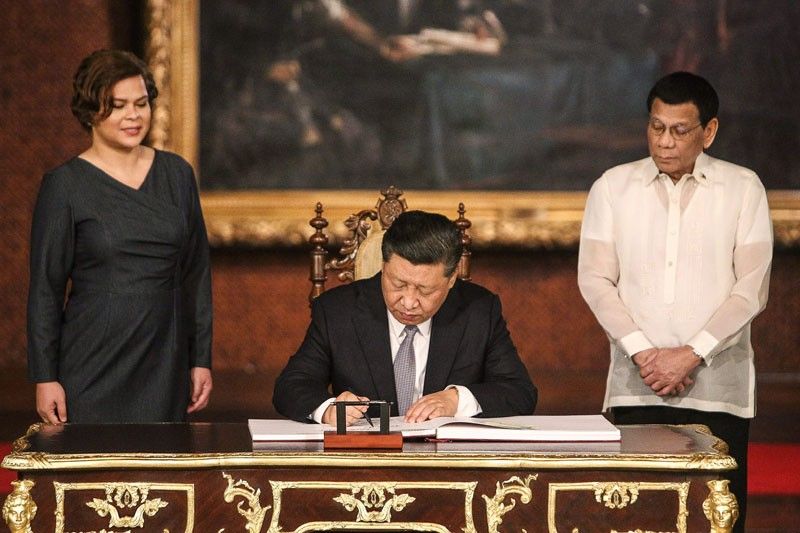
669, 264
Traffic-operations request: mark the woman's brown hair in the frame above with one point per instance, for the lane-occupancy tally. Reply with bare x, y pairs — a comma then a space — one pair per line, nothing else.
92, 97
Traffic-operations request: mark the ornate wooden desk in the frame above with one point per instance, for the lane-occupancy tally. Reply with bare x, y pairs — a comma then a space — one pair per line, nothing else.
208, 478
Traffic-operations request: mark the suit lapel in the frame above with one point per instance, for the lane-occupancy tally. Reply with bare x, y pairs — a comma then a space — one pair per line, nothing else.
372, 329
445, 338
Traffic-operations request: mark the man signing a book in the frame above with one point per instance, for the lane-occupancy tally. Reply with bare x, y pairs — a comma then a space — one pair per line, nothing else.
413, 334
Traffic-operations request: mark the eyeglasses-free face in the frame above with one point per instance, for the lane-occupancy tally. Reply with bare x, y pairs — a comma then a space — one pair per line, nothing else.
676, 137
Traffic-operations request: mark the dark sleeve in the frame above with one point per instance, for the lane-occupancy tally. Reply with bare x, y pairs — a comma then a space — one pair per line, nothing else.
196, 283
506, 389
303, 384
51, 256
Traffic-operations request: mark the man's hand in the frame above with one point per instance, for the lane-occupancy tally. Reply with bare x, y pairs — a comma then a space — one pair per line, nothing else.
51, 402
644, 357
668, 372
353, 413
201, 388
442, 403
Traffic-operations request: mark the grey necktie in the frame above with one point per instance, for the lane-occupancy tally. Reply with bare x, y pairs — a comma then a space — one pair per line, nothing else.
405, 370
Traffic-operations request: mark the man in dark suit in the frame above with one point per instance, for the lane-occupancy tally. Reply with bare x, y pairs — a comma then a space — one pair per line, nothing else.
414, 334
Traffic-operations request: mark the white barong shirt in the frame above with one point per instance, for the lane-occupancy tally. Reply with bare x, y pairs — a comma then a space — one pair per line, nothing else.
665, 264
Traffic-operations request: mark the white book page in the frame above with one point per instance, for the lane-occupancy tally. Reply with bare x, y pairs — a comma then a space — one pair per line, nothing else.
523, 428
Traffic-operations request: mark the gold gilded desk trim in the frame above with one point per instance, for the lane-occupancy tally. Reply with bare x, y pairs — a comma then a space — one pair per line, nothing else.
22, 460
40, 461
62, 488
618, 495
279, 488
374, 506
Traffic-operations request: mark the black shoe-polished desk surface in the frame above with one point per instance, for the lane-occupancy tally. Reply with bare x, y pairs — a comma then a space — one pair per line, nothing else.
210, 478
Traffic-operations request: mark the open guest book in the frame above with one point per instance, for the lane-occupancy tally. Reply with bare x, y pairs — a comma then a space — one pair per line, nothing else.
571, 428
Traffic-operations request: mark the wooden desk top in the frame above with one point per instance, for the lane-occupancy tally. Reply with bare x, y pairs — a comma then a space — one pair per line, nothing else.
208, 445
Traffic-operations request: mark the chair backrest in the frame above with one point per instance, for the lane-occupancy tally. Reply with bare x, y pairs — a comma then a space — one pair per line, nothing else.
360, 255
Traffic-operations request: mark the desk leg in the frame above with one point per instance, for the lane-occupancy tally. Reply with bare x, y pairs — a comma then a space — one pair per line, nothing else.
721, 508
19, 507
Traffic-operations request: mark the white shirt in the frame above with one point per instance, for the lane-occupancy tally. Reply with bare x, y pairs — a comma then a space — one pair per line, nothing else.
667, 265
467, 404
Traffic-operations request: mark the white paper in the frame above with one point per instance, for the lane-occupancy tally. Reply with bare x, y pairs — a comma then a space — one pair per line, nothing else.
571, 428
283, 430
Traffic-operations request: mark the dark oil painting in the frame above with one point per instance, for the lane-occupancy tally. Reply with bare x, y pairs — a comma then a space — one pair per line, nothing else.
481, 94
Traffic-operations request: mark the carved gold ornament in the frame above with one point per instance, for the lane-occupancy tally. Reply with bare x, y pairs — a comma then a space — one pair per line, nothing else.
171, 50
618, 495
125, 504
159, 37
22, 443
254, 514
496, 507
19, 509
126, 496
373, 506
280, 487
372, 502
721, 507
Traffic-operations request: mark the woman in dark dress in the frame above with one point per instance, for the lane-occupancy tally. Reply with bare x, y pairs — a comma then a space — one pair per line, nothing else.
120, 228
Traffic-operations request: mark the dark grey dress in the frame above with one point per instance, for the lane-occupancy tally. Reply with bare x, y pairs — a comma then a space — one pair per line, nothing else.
138, 314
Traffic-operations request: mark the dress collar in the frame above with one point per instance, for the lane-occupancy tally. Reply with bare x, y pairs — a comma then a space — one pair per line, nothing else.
701, 167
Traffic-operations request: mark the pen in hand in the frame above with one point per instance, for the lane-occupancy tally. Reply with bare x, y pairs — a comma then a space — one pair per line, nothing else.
363, 402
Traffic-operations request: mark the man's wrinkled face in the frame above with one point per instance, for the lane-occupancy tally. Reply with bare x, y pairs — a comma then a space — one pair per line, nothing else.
675, 137
414, 293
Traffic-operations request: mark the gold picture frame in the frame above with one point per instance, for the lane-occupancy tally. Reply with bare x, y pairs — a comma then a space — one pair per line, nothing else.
519, 219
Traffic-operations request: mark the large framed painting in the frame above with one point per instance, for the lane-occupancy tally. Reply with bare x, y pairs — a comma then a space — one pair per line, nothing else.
513, 107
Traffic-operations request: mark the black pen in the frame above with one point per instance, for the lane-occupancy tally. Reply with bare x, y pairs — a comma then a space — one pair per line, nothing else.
363, 402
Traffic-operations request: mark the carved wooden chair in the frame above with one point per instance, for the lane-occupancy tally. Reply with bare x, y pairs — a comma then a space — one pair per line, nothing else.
360, 255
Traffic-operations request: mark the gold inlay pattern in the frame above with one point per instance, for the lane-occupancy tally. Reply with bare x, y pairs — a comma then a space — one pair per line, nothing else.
496, 507
721, 507
371, 501
122, 498
280, 487
373, 505
19, 509
254, 513
618, 495
126, 496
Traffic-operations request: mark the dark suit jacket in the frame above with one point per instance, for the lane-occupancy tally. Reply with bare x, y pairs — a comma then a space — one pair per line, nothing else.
347, 347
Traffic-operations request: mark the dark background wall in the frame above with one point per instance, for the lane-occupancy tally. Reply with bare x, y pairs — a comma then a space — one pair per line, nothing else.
260, 295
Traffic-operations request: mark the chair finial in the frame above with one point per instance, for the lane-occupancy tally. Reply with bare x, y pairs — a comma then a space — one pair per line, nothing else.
463, 224
390, 206
318, 241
